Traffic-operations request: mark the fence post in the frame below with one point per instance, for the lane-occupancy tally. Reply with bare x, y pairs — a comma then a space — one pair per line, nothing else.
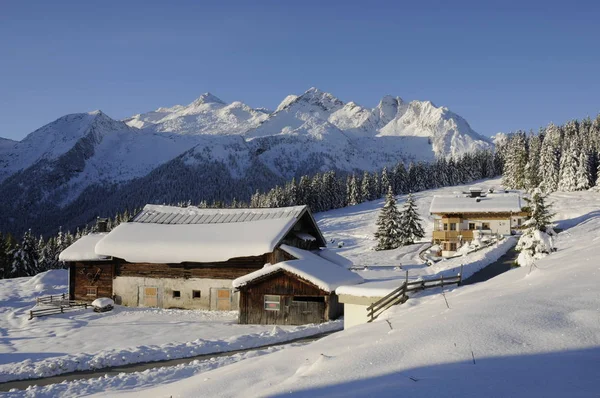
461, 273
30, 315
442, 281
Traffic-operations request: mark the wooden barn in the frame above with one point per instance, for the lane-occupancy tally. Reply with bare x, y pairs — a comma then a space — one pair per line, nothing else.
297, 291
174, 257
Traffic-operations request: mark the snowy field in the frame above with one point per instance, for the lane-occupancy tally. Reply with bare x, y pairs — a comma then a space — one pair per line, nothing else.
525, 332
83, 339
355, 226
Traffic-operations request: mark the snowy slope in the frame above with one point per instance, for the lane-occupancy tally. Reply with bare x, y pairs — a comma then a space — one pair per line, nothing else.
206, 115
528, 332
6, 143
79, 158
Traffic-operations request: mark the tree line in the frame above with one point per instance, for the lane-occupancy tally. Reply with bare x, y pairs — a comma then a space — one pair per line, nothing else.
29, 255
556, 158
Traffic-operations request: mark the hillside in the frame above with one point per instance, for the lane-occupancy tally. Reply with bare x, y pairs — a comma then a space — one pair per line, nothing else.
526, 332
87, 164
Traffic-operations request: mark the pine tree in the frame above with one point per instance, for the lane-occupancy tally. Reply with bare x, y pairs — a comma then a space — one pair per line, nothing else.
583, 172
388, 233
366, 187
537, 240
568, 169
550, 159
400, 179
385, 181
5, 256
25, 257
597, 185
354, 196
533, 162
410, 222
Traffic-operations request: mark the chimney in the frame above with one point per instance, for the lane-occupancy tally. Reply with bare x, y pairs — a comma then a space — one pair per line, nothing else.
101, 224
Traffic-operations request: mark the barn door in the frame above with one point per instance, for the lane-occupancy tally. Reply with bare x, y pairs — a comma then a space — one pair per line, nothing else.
223, 300
150, 296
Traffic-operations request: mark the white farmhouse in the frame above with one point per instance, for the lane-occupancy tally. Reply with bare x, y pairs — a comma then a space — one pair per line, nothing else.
459, 218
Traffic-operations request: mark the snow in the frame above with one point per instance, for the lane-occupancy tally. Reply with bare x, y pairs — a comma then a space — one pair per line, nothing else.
309, 266
103, 302
531, 330
83, 339
381, 283
527, 331
107, 357
309, 133
83, 249
335, 258
203, 243
493, 202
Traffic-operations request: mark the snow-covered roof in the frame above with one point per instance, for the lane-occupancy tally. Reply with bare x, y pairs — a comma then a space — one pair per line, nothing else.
335, 258
491, 203
157, 214
167, 243
83, 249
169, 234
309, 266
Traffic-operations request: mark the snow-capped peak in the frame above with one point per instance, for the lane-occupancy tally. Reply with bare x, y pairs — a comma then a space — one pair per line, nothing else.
207, 98
286, 101
312, 100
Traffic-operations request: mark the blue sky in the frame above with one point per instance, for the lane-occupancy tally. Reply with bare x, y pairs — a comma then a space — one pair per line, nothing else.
515, 65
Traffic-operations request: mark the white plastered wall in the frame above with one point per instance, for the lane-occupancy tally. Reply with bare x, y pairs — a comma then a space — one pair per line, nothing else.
129, 291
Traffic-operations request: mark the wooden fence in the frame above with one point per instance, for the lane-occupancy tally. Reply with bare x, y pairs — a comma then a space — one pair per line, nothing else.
58, 304
52, 299
399, 296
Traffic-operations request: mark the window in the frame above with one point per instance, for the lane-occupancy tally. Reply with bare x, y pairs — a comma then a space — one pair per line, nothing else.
485, 225
91, 291
310, 299
452, 247
519, 221
471, 226
445, 227
176, 293
196, 294
453, 226
272, 303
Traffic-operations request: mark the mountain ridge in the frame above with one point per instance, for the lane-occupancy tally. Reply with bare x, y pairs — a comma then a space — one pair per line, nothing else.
235, 148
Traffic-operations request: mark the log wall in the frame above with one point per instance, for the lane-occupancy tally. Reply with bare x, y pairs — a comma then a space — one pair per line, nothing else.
291, 312
91, 274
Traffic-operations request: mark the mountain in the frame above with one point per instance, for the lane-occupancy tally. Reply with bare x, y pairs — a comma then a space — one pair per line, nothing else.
6, 143
88, 164
206, 115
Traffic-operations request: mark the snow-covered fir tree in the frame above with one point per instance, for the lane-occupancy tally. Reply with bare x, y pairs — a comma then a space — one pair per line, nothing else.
537, 240
565, 158
583, 175
389, 235
568, 169
410, 222
25, 257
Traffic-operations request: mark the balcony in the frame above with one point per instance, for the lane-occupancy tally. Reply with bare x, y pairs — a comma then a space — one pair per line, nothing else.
453, 235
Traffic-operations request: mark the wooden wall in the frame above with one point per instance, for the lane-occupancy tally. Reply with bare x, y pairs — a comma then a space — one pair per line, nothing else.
231, 269
91, 274
101, 274
291, 312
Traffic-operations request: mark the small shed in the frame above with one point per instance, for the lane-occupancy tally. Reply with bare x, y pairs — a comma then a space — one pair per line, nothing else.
298, 291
